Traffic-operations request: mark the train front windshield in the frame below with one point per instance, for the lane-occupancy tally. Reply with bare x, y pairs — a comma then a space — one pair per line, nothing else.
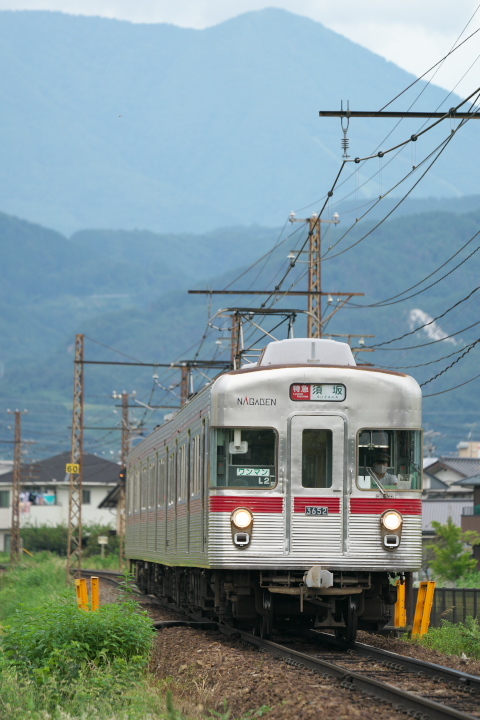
245, 458
389, 459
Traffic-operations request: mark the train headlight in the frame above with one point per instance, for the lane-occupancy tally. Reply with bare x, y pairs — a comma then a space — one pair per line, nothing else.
392, 520
391, 523
242, 518
241, 521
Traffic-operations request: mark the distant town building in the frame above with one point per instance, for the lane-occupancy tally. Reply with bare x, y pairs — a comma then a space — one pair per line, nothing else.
469, 449
45, 493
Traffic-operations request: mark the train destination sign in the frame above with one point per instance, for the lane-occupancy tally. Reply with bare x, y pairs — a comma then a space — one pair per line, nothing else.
325, 392
257, 472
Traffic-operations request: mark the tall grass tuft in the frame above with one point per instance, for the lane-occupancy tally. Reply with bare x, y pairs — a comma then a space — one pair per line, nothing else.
454, 638
59, 637
34, 581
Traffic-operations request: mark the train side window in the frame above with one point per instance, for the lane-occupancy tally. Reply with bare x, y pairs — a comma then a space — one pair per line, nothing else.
196, 465
245, 458
317, 458
389, 459
161, 483
151, 487
182, 472
171, 478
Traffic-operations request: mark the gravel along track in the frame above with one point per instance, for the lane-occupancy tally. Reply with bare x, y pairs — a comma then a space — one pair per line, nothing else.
206, 668
459, 691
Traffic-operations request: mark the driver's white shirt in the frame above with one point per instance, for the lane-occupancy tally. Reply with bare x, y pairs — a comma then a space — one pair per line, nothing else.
387, 479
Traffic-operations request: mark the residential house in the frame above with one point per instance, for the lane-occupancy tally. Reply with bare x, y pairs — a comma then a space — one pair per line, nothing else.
45, 493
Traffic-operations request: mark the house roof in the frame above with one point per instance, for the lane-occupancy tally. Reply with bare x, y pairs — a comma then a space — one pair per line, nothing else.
111, 498
470, 481
468, 467
434, 482
52, 469
441, 510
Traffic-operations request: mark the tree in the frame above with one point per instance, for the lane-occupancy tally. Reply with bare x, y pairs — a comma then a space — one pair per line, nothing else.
452, 558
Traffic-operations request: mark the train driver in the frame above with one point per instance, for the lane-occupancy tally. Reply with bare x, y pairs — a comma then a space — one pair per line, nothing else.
380, 467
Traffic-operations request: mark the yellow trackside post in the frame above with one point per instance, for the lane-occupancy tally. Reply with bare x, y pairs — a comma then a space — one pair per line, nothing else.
400, 620
423, 610
82, 593
95, 583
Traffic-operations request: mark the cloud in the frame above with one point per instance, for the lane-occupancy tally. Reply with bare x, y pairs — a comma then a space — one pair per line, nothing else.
432, 331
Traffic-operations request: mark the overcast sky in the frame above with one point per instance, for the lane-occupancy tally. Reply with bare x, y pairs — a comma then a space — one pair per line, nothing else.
414, 34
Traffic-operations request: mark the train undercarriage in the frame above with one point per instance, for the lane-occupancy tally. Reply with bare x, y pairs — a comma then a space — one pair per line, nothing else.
261, 601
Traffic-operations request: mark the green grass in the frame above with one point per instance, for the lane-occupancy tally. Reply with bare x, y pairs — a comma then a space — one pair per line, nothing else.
454, 638
35, 580
58, 662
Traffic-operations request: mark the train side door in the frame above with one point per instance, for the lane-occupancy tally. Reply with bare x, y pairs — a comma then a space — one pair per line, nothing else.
317, 477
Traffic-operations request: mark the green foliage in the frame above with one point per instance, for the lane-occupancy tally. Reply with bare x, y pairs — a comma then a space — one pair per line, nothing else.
34, 581
114, 690
452, 560
92, 548
69, 660
61, 639
54, 538
470, 580
454, 638
45, 537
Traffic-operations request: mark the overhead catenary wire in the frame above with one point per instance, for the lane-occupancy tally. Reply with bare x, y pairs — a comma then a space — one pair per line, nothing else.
439, 148
433, 342
451, 364
384, 303
430, 322
442, 392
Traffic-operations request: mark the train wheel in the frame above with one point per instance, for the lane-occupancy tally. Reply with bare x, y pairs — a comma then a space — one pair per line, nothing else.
349, 612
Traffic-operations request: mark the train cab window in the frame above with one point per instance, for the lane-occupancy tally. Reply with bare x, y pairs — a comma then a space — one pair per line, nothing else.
317, 458
245, 458
389, 460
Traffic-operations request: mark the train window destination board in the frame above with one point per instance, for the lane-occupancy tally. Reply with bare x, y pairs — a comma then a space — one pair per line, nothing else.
324, 392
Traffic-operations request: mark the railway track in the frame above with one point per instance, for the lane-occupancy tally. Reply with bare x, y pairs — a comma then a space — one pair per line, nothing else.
419, 689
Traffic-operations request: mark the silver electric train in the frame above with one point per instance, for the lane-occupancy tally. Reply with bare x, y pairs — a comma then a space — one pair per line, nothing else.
288, 491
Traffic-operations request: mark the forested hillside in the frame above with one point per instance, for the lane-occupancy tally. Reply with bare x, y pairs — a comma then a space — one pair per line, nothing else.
128, 291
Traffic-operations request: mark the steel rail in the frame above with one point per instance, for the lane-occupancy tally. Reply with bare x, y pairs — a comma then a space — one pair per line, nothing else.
408, 663
400, 699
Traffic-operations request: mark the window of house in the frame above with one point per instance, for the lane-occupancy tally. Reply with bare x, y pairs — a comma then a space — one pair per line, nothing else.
4, 498
86, 499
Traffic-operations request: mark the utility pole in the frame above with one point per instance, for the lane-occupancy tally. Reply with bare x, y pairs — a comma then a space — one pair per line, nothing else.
15, 548
314, 318
236, 341
315, 322
121, 505
75, 468
185, 384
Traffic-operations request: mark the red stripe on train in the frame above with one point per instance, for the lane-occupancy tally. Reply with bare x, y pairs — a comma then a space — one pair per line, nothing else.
219, 503
369, 506
300, 503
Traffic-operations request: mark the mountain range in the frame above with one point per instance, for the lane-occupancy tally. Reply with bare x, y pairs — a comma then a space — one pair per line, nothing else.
115, 125
138, 161
128, 291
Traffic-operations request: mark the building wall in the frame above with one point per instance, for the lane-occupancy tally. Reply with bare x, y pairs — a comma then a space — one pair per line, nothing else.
469, 449
448, 476
57, 514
